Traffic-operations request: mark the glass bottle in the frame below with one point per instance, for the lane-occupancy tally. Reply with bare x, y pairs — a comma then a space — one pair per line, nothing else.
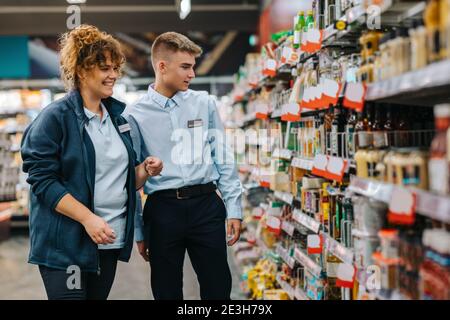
438, 166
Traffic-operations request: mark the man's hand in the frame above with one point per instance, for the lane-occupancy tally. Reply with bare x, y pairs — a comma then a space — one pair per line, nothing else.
153, 166
143, 250
233, 231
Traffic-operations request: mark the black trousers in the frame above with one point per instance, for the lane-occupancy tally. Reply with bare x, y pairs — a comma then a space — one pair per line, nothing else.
197, 225
61, 285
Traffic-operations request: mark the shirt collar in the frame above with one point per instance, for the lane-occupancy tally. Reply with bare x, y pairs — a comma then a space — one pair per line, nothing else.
91, 114
162, 100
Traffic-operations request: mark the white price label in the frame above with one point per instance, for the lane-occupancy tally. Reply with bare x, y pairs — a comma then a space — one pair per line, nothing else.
320, 162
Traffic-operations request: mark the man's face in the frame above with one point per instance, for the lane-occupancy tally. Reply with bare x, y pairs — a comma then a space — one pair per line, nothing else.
178, 70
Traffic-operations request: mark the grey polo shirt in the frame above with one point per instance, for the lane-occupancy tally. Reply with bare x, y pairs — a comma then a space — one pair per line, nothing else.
111, 165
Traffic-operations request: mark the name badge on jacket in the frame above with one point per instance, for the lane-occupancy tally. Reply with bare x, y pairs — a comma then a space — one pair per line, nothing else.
124, 128
195, 123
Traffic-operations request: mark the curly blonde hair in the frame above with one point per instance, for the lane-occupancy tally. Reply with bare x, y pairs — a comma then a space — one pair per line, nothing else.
84, 48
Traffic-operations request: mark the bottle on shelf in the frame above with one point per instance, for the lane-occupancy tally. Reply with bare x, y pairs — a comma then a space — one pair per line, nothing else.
418, 35
363, 129
350, 133
298, 28
388, 126
402, 132
328, 125
309, 21
432, 22
438, 165
379, 133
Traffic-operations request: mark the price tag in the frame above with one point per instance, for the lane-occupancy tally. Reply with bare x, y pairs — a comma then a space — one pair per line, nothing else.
315, 244
257, 212
270, 68
354, 97
273, 224
286, 154
402, 206
262, 111
320, 165
290, 112
336, 168
331, 90
314, 40
316, 97
306, 98
346, 274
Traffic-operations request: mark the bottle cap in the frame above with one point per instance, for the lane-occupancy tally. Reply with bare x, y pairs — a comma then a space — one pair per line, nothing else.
442, 110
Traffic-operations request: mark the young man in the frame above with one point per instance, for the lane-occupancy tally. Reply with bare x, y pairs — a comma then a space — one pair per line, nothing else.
183, 210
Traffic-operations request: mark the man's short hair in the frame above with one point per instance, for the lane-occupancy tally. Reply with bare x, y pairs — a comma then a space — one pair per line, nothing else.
173, 42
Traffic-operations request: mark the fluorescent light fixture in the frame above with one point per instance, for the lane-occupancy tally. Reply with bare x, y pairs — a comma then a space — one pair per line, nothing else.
184, 8
76, 1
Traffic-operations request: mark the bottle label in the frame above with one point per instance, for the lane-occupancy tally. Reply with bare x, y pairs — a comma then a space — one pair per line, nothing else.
334, 140
411, 175
371, 169
350, 140
379, 139
297, 36
439, 176
365, 139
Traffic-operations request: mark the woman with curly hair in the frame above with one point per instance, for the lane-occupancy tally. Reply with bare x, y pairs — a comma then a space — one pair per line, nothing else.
83, 174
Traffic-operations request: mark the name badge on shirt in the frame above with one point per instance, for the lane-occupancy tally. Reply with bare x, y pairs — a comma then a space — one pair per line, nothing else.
124, 128
195, 123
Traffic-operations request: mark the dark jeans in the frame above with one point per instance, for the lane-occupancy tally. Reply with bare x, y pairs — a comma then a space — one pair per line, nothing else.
197, 225
59, 284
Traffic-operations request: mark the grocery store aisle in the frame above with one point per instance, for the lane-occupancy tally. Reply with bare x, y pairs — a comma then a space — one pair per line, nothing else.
20, 280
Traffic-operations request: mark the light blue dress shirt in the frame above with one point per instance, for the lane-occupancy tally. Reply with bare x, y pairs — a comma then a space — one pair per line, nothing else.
111, 166
186, 133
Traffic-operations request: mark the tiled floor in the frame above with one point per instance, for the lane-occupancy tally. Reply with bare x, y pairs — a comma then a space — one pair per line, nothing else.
20, 280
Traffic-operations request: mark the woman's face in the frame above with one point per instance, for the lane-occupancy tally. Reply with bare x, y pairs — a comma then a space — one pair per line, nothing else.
100, 80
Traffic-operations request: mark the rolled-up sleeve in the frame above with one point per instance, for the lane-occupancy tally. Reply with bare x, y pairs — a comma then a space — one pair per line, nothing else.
40, 150
229, 184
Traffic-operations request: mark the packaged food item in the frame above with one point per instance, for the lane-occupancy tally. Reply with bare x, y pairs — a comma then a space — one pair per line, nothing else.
389, 243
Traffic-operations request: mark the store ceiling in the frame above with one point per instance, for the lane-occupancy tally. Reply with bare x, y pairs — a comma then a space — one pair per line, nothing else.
48, 17
221, 27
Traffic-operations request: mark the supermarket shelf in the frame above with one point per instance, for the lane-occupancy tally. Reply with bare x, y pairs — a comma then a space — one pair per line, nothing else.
338, 249
306, 220
276, 113
415, 87
284, 196
302, 163
260, 243
5, 215
283, 253
306, 262
286, 287
300, 294
428, 204
288, 227
285, 154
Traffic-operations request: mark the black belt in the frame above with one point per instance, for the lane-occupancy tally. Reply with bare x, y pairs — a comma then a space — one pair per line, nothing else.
188, 192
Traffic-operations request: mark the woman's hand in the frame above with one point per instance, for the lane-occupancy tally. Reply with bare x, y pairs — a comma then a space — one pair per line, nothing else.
98, 229
153, 166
